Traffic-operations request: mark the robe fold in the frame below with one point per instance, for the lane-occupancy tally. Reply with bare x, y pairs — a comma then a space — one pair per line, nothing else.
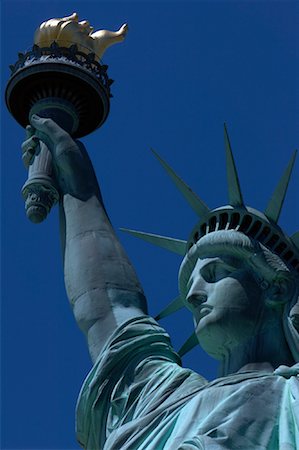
138, 397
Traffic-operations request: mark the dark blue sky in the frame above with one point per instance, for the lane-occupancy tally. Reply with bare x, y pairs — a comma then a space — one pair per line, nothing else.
185, 68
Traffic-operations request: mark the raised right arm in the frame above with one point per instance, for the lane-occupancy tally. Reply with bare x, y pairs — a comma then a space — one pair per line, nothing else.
100, 281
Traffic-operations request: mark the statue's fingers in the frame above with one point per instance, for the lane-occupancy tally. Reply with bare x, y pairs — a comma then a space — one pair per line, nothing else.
30, 148
44, 124
47, 130
30, 143
28, 158
29, 131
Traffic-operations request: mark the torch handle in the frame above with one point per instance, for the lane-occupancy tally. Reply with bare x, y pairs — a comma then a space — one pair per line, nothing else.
40, 192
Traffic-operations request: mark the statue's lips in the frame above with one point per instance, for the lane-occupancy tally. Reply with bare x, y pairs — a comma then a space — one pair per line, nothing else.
202, 311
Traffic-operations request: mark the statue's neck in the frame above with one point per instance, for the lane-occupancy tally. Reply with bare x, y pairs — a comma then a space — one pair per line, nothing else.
264, 351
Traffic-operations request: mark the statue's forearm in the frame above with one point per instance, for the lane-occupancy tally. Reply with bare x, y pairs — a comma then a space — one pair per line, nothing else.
93, 256
101, 283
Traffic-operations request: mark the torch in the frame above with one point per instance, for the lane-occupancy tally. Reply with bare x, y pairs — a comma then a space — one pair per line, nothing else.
63, 78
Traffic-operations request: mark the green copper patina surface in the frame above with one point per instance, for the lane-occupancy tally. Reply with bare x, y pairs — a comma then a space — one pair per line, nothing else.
244, 300
155, 404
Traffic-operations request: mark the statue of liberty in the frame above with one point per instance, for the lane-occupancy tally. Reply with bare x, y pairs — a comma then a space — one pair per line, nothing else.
240, 279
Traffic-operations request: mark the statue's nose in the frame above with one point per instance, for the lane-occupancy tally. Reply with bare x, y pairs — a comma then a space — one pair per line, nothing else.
199, 289
196, 297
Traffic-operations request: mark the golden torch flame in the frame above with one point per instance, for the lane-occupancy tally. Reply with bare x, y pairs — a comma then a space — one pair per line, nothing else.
67, 31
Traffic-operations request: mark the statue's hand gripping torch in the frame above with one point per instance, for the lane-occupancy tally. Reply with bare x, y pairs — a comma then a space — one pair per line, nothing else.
60, 79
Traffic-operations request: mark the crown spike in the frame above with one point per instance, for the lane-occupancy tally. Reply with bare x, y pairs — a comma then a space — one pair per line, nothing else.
276, 201
194, 201
234, 190
171, 308
173, 245
190, 343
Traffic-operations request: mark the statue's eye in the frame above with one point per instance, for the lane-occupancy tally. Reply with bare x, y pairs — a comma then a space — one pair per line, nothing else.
208, 273
215, 271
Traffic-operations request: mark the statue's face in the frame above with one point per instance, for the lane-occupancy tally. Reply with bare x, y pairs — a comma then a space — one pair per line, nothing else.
226, 302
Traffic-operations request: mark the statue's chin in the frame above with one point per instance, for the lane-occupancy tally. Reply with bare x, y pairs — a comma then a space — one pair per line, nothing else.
36, 213
210, 338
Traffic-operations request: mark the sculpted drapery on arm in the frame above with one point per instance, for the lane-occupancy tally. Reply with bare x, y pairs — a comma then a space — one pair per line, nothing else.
101, 283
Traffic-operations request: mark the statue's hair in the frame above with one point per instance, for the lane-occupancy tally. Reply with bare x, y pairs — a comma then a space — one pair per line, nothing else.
266, 266
262, 261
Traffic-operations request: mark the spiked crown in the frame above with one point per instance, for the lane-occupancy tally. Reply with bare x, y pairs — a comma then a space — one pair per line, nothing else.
236, 216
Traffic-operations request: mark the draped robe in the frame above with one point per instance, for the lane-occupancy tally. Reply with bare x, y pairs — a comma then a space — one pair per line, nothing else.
138, 397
